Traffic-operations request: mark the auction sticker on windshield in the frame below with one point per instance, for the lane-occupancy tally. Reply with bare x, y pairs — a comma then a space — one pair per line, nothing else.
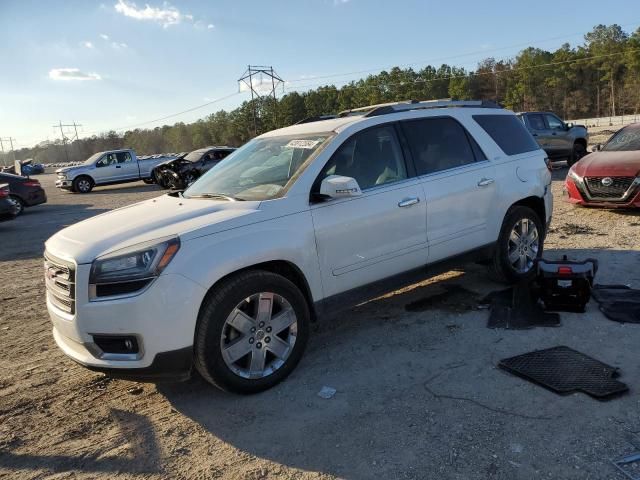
307, 144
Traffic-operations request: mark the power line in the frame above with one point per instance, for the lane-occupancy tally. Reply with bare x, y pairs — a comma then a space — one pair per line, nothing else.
472, 74
422, 62
129, 127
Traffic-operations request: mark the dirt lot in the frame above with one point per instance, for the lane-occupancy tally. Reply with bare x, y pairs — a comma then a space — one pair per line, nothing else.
418, 393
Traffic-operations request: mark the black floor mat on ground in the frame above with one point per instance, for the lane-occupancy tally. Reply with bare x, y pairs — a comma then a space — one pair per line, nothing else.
618, 302
565, 370
517, 308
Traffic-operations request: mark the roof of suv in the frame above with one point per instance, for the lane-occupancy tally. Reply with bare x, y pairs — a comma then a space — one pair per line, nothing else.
350, 117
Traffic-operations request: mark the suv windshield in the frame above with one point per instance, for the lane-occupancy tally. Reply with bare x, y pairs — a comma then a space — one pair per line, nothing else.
625, 140
261, 169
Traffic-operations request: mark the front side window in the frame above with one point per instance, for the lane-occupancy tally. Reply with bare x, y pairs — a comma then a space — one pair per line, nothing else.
261, 169
373, 157
625, 140
438, 144
554, 122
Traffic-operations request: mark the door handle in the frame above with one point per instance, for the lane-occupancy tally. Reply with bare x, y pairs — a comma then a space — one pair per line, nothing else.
407, 202
535, 134
554, 133
483, 182
118, 166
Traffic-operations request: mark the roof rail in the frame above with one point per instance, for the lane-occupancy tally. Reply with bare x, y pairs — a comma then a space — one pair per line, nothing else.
317, 118
395, 107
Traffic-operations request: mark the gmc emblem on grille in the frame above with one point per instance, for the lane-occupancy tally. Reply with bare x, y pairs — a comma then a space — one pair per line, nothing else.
607, 181
51, 273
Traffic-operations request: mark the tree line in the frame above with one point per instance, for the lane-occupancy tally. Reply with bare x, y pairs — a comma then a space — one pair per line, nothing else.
600, 77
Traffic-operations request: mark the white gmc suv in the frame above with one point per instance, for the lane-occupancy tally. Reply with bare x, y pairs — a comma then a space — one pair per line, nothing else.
227, 275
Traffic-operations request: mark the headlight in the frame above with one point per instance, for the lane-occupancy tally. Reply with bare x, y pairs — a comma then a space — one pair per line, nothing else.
131, 269
574, 176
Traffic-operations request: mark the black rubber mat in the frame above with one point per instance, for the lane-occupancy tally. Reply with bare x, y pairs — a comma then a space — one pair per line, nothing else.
618, 302
564, 370
517, 308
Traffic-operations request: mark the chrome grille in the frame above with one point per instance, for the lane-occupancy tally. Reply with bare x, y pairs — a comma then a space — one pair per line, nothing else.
60, 277
615, 191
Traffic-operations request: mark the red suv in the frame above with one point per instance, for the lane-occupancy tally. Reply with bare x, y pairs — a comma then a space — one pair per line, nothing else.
610, 176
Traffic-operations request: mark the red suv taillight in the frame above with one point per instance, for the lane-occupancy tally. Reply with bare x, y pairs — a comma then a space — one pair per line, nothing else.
4, 192
31, 183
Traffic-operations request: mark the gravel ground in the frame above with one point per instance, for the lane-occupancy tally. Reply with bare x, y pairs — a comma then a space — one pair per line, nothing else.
418, 394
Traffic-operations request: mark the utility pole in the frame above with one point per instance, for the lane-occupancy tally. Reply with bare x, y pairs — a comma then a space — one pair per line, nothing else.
10, 140
261, 72
65, 138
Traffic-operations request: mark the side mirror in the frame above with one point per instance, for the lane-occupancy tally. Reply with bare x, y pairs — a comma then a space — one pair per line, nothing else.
337, 186
596, 147
569, 125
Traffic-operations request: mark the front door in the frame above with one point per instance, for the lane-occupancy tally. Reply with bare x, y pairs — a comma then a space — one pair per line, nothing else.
539, 129
127, 167
560, 142
458, 182
380, 233
106, 169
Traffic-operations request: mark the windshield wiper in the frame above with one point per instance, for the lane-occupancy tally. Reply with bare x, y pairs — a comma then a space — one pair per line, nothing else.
216, 195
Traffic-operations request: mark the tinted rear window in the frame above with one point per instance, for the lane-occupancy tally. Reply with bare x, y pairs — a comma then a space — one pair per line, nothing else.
509, 133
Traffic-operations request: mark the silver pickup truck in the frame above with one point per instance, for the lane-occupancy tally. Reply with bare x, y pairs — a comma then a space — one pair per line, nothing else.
107, 168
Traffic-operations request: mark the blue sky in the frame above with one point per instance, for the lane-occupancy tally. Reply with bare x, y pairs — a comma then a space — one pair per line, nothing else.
116, 63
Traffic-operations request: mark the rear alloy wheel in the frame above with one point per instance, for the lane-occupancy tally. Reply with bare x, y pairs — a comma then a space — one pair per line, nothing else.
579, 151
82, 185
252, 331
18, 204
519, 246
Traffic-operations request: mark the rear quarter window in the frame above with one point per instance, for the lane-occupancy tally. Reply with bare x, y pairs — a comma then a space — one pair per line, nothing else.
508, 132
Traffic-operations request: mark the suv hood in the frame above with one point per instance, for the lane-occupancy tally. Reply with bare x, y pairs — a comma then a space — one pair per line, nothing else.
149, 220
609, 164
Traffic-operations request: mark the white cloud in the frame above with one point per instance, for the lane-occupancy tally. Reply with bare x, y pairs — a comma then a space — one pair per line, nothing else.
210, 26
87, 44
71, 74
260, 85
340, 2
104, 36
165, 16
119, 45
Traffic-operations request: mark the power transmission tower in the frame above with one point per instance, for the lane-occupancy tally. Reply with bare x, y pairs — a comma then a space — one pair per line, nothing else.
66, 138
260, 72
10, 140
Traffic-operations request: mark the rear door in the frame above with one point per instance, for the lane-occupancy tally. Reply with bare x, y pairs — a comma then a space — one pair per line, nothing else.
458, 183
127, 167
380, 233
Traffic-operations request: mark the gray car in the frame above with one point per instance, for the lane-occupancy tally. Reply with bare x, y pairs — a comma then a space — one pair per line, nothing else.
559, 139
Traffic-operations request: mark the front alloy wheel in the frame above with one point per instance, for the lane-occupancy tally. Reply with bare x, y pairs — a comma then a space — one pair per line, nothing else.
251, 333
259, 335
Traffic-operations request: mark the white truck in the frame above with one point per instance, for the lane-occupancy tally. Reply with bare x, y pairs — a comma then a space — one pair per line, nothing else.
107, 168
227, 276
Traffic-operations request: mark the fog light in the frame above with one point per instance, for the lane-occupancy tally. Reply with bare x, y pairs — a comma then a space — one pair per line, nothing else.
117, 344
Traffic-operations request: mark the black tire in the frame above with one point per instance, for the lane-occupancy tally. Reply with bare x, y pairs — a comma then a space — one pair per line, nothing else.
579, 151
188, 178
82, 184
217, 306
17, 201
500, 268
149, 181
160, 179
